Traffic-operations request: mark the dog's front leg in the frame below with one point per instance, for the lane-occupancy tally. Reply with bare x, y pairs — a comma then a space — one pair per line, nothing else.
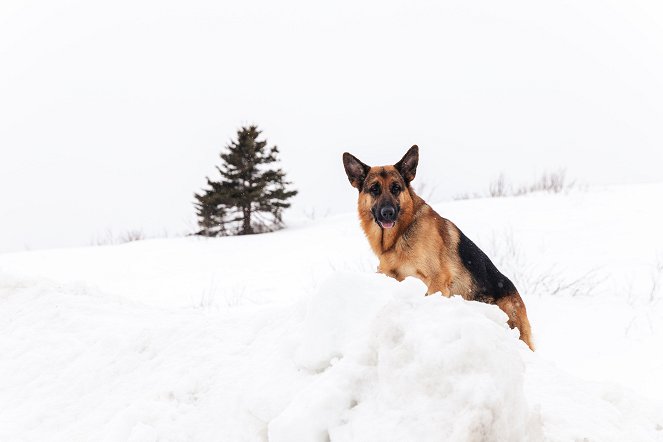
440, 282
391, 273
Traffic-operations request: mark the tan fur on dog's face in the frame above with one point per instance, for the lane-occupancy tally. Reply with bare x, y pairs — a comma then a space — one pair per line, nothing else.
384, 191
384, 187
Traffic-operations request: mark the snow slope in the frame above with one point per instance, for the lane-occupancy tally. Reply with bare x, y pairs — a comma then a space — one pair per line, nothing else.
291, 336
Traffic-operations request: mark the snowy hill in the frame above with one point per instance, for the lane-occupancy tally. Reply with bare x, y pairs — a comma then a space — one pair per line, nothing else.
291, 336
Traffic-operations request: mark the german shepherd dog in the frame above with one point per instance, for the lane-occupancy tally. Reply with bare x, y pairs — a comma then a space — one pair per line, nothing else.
411, 239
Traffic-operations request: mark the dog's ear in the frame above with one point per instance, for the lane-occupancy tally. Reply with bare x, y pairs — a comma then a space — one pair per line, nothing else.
355, 169
407, 166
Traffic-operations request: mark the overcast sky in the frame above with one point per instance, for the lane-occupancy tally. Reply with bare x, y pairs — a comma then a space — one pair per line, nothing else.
113, 113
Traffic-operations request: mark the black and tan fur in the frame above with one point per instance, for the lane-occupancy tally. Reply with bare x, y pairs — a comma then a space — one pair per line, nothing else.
411, 239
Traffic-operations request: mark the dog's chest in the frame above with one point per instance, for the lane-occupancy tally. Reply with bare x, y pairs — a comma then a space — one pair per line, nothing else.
400, 264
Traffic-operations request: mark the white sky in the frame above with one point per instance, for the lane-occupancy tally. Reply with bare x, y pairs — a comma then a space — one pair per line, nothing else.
113, 113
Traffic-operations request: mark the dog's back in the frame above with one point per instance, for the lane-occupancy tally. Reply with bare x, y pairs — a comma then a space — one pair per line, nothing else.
489, 285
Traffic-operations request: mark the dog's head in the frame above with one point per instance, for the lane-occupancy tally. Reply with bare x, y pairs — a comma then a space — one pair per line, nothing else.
383, 190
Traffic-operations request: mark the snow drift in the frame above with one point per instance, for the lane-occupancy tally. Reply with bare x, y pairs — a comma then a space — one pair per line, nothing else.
191, 339
364, 358
393, 365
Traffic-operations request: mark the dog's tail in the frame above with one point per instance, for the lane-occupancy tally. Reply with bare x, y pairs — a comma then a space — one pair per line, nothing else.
514, 307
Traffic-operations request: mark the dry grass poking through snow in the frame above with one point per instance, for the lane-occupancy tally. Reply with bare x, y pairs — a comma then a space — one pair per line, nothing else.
646, 301
549, 182
111, 238
533, 277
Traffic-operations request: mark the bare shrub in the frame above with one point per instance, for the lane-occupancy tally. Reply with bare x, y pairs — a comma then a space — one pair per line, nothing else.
498, 187
312, 214
425, 191
103, 239
110, 238
232, 296
467, 196
530, 277
551, 182
646, 304
132, 235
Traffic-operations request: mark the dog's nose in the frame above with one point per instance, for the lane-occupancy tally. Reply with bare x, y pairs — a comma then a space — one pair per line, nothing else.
388, 213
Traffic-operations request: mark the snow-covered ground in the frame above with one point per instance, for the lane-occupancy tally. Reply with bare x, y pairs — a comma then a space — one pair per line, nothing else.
291, 336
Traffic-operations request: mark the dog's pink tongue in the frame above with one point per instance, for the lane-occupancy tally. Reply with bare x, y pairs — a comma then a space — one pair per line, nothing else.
387, 225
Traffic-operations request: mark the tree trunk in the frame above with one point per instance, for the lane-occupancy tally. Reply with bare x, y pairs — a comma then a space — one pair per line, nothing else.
246, 227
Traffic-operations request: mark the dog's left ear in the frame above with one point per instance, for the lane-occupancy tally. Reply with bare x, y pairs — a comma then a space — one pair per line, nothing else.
407, 166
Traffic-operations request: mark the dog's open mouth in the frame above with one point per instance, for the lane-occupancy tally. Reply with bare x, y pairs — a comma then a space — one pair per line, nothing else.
386, 224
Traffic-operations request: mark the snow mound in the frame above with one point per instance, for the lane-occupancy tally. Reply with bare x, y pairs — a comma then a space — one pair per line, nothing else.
394, 365
365, 358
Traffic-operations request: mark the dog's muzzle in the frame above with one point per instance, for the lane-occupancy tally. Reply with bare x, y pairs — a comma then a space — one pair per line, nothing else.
386, 216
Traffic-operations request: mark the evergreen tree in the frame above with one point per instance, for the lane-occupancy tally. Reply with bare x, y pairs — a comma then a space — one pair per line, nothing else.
250, 197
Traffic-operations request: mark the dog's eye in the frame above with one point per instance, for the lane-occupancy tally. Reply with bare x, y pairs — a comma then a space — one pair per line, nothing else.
375, 189
395, 189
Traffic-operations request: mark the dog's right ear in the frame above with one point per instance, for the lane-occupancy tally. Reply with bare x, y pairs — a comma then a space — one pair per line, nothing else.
355, 169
